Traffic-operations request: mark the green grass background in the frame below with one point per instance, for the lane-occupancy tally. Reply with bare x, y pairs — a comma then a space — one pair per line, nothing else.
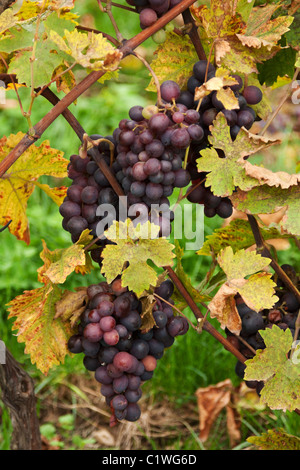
195, 360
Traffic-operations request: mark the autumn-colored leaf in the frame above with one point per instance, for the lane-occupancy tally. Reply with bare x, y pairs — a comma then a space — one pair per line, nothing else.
71, 305
45, 338
257, 290
238, 235
225, 174
269, 199
241, 39
135, 246
280, 373
91, 50
17, 185
264, 176
220, 83
174, 60
58, 264
275, 439
211, 401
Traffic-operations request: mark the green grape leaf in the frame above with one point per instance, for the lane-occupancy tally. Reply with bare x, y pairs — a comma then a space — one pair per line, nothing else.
283, 63
46, 60
279, 372
257, 290
268, 200
197, 295
275, 439
135, 246
60, 263
174, 60
44, 336
238, 235
225, 174
244, 8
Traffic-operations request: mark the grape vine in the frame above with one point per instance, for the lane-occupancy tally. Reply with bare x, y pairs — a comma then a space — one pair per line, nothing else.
210, 114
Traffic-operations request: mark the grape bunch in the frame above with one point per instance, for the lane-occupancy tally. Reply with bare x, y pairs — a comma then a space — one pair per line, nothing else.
210, 106
121, 354
151, 148
150, 10
284, 314
89, 189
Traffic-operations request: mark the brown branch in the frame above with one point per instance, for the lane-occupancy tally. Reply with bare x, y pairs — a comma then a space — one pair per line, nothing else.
198, 314
263, 250
18, 395
193, 34
4, 4
85, 84
69, 117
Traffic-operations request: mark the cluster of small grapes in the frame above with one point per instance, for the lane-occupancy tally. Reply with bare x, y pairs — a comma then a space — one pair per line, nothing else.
210, 106
121, 355
89, 189
151, 148
283, 314
151, 10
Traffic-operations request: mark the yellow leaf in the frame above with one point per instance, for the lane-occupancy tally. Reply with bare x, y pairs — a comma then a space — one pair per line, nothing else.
174, 60
44, 336
58, 264
17, 185
7, 20
91, 50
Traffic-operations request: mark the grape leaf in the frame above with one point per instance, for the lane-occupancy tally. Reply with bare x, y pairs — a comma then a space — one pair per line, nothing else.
238, 235
65, 81
264, 31
280, 373
220, 83
283, 63
275, 439
46, 60
264, 176
225, 174
237, 45
242, 263
174, 61
45, 338
17, 185
57, 194
135, 246
257, 291
71, 305
267, 200
244, 8
7, 20
60, 263
92, 51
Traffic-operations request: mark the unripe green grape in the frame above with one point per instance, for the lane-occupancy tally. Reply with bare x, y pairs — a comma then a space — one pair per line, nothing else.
169, 27
159, 37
